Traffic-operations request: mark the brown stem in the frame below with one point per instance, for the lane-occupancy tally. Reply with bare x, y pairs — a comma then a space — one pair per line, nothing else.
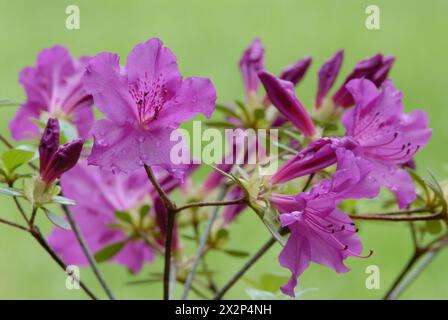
13, 224
33, 217
387, 218
162, 194
211, 204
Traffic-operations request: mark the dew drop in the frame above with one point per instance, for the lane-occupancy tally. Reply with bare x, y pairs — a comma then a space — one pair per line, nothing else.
141, 139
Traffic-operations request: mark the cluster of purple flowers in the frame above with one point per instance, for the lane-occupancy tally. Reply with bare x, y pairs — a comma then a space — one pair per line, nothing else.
145, 100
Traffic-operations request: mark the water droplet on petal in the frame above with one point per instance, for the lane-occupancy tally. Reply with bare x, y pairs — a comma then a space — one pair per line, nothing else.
157, 143
144, 157
141, 139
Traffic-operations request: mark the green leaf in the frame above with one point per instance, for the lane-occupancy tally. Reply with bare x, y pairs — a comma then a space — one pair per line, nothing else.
108, 252
64, 200
123, 216
236, 253
57, 220
14, 158
144, 210
11, 192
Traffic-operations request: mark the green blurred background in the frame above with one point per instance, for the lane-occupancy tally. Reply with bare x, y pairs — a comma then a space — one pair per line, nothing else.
208, 38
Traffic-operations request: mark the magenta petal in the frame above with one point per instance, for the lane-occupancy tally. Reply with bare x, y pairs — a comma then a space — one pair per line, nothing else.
317, 155
109, 88
127, 148
363, 69
83, 119
295, 256
352, 179
397, 180
21, 126
134, 254
323, 246
196, 95
154, 63
296, 71
327, 76
251, 63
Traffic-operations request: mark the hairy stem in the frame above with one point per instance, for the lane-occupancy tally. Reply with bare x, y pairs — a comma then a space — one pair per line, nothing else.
87, 252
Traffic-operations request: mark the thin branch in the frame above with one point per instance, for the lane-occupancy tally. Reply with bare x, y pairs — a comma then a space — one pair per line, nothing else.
202, 243
388, 218
41, 240
6, 142
13, 224
211, 204
245, 267
33, 217
409, 274
87, 252
162, 194
22, 212
404, 212
35, 232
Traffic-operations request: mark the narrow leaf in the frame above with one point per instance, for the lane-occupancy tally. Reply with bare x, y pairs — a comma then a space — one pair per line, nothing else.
57, 220
108, 252
14, 158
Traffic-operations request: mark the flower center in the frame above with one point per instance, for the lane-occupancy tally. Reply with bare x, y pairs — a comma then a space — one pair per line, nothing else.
149, 96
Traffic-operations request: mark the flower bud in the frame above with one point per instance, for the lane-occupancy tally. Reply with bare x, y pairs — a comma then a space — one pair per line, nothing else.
282, 95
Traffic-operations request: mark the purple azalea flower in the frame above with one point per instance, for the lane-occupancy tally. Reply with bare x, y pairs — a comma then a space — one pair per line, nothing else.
375, 68
54, 159
387, 136
296, 71
98, 195
53, 86
321, 233
143, 102
281, 94
251, 63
